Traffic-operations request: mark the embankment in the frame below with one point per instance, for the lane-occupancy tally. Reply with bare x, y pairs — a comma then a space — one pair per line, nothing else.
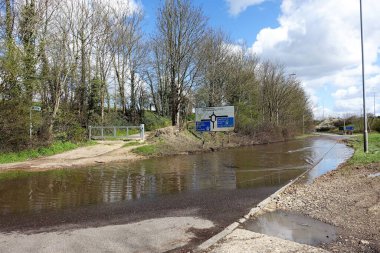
171, 141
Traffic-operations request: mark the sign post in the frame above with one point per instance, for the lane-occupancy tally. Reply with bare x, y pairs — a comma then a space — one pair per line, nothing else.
33, 108
215, 119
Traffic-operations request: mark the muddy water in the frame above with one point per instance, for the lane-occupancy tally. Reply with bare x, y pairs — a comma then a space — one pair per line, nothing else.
293, 227
270, 165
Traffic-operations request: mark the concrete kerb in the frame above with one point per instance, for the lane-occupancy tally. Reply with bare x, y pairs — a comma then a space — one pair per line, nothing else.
259, 209
253, 212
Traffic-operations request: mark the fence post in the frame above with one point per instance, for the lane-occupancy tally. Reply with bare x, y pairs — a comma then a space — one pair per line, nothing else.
142, 131
127, 131
114, 132
89, 133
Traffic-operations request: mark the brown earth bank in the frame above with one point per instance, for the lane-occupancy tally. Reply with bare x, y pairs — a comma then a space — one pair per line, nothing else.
167, 141
348, 198
172, 141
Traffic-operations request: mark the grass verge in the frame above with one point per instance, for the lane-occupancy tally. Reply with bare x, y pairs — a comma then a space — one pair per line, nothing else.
373, 155
132, 143
305, 136
146, 150
55, 148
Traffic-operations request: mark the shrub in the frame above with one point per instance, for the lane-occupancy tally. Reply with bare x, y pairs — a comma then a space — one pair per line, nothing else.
146, 150
154, 121
376, 124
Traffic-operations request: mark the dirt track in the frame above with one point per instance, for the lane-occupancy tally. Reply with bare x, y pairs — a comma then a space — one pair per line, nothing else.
103, 152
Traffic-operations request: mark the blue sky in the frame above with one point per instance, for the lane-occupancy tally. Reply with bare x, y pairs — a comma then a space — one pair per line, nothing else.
319, 40
244, 26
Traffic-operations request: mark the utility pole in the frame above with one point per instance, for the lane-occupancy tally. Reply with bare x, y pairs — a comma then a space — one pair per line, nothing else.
344, 125
365, 133
323, 112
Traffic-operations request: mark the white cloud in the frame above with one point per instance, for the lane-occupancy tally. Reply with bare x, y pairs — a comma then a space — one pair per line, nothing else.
233, 48
349, 92
319, 40
238, 6
349, 105
129, 5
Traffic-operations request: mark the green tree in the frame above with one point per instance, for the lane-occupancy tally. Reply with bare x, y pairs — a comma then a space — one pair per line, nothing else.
28, 24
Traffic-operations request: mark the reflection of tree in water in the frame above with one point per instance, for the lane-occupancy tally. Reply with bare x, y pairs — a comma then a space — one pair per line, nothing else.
72, 188
241, 168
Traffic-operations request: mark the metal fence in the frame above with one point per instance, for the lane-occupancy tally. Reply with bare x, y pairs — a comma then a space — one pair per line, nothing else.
116, 132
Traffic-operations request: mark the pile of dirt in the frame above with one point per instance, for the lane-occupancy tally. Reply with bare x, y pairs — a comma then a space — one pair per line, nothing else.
348, 198
172, 141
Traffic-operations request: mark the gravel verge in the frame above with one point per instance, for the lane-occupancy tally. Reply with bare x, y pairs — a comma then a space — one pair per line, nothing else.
348, 198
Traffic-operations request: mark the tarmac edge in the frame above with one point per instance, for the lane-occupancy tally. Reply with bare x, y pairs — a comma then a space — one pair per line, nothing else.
253, 212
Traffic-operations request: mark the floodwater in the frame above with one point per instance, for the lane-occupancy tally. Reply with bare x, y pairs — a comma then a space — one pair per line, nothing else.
293, 227
254, 167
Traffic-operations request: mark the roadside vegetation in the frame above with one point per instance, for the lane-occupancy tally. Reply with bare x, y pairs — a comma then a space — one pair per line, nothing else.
68, 65
131, 144
147, 150
373, 155
335, 125
55, 148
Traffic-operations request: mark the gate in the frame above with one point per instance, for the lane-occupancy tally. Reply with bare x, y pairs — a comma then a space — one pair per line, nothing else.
116, 132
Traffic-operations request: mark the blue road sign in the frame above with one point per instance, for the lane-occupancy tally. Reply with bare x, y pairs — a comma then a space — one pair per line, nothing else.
225, 122
203, 126
214, 119
347, 128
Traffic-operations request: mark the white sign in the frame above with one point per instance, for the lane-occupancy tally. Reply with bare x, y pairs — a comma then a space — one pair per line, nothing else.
36, 108
214, 119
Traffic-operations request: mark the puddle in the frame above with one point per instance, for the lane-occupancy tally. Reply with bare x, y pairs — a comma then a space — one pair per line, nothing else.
374, 175
293, 227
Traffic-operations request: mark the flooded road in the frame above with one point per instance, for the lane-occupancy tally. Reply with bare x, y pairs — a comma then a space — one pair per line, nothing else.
219, 186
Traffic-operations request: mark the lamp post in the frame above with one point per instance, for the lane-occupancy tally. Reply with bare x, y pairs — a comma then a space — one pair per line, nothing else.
365, 133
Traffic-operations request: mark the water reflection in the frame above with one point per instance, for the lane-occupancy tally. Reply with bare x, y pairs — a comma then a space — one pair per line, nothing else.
293, 227
249, 167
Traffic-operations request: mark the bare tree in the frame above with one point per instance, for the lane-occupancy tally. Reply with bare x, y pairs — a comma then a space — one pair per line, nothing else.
126, 42
180, 30
157, 77
215, 57
104, 55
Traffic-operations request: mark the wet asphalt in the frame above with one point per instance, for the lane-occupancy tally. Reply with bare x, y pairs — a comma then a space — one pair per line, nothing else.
220, 206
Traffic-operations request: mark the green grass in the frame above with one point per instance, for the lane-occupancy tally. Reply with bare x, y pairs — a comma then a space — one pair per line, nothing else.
373, 154
131, 143
146, 150
55, 148
305, 136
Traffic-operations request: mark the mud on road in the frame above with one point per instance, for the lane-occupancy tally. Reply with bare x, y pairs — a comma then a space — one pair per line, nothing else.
348, 198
